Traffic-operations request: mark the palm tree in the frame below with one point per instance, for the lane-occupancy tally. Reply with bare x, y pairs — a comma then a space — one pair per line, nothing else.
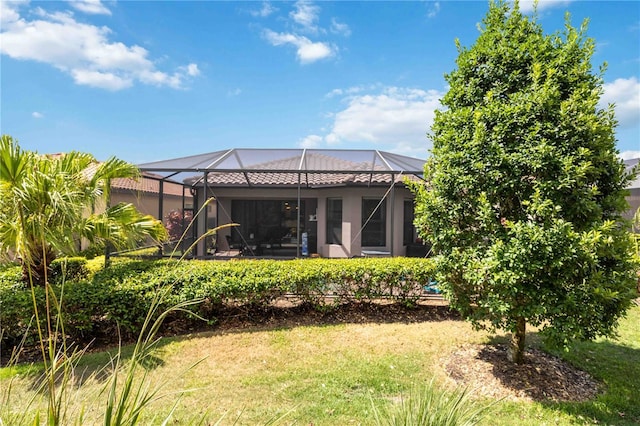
48, 203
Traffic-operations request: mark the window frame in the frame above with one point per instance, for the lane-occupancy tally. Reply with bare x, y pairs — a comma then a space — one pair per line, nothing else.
373, 225
334, 224
409, 233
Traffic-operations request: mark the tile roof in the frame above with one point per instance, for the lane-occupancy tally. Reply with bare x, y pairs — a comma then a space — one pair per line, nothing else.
149, 183
324, 170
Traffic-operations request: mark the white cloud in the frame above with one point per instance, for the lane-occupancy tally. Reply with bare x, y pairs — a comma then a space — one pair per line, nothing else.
433, 9
234, 92
93, 7
334, 92
311, 141
625, 94
191, 70
340, 28
628, 155
266, 10
352, 90
527, 6
305, 14
9, 11
101, 80
303, 19
307, 50
85, 52
158, 78
396, 117
37, 114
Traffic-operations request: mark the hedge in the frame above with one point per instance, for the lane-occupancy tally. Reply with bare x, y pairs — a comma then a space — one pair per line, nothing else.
116, 299
69, 269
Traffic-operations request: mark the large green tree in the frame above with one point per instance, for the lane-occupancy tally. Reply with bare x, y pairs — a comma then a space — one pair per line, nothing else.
524, 189
48, 204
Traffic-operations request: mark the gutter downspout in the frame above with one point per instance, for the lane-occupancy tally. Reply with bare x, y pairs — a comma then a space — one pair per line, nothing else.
160, 209
206, 212
393, 209
299, 210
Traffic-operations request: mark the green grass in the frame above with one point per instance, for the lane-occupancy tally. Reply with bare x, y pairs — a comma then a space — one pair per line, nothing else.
332, 375
613, 362
19, 370
616, 363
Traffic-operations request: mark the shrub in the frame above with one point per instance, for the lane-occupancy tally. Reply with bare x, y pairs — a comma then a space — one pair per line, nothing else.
69, 269
105, 301
10, 275
94, 250
16, 311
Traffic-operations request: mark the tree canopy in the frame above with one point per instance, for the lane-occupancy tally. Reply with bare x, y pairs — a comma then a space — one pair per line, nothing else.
48, 204
524, 189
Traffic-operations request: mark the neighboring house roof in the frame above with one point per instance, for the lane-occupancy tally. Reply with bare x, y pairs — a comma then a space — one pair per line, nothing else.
148, 183
288, 167
629, 165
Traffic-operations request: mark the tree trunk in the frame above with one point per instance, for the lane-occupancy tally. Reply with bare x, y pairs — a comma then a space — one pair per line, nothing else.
40, 266
516, 346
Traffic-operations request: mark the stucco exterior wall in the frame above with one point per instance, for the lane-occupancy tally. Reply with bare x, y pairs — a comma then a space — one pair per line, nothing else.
634, 203
148, 203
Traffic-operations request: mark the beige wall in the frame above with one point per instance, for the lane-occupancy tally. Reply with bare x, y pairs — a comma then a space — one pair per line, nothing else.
148, 203
634, 202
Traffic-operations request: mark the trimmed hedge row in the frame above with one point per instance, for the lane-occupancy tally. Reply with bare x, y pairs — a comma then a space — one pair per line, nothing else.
117, 298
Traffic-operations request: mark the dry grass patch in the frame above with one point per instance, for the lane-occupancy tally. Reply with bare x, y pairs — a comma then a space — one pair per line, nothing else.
260, 372
329, 374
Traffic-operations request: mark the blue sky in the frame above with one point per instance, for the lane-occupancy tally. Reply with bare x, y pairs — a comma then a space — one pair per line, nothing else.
150, 80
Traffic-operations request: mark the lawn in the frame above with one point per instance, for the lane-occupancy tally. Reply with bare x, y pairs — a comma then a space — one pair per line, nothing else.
333, 374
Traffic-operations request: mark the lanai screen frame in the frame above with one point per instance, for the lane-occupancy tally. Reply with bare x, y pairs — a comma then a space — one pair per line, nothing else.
297, 161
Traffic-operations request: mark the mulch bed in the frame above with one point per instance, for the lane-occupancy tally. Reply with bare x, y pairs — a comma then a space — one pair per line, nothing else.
542, 377
286, 314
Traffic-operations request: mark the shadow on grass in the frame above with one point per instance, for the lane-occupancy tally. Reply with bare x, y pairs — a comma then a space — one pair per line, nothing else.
595, 382
96, 365
617, 366
96, 362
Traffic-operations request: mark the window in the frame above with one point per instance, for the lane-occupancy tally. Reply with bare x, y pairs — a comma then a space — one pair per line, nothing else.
374, 214
334, 221
408, 229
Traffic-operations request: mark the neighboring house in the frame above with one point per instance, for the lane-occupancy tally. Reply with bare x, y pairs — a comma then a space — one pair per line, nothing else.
634, 188
144, 195
298, 202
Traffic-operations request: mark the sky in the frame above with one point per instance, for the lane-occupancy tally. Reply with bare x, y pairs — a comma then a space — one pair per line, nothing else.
153, 80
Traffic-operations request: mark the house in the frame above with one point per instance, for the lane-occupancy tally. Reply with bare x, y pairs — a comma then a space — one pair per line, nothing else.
634, 188
166, 200
299, 202
144, 193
